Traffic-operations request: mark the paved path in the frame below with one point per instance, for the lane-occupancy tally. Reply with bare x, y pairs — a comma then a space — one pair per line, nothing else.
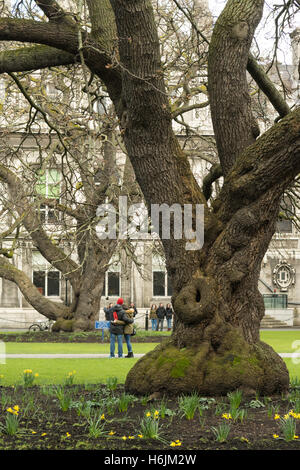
87, 356
58, 356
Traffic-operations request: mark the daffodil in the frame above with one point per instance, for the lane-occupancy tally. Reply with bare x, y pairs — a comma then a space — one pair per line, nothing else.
124, 438
296, 437
33, 432
16, 408
68, 434
148, 414
275, 436
111, 433
173, 444
277, 416
140, 436
102, 416
226, 416
44, 434
130, 437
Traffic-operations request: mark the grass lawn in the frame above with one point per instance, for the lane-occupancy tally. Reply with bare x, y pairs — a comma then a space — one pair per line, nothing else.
282, 341
54, 371
97, 370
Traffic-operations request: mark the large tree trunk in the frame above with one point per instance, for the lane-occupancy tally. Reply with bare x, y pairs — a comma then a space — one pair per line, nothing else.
215, 347
84, 310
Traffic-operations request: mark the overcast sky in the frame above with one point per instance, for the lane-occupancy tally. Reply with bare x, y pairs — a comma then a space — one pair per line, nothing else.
265, 30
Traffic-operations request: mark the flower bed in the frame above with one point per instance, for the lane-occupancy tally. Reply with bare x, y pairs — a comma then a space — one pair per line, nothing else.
104, 416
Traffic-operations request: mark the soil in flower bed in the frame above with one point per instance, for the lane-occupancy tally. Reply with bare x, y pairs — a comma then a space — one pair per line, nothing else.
44, 425
82, 337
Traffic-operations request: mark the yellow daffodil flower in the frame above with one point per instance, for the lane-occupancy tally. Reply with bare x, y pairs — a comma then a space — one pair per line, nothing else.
226, 416
275, 436
111, 433
277, 416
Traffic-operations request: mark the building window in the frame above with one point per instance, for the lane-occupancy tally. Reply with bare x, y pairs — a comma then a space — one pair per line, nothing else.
161, 282
113, 279
158, 284
49, 187
44, 277
113, 284
284, 222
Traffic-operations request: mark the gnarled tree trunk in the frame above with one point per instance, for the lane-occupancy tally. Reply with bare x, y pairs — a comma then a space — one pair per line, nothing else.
215, 347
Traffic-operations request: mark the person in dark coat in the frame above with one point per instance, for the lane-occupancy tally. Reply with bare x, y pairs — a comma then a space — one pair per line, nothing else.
161, 313
169, 315
117, 330
107, 312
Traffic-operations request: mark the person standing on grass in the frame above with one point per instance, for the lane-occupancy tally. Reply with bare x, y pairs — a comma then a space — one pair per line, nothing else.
153, 317
117, 330
128, 330
161, 313
169, 315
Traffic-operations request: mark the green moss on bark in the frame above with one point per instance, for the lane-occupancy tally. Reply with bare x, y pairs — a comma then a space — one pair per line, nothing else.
234, 365
63, 325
